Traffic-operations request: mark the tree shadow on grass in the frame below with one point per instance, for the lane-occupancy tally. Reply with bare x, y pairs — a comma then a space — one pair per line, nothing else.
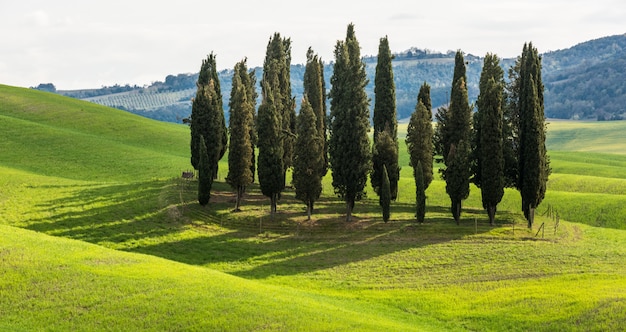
257, 247
106, 213
146, 217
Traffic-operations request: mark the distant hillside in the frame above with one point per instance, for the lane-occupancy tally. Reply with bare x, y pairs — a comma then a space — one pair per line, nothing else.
587, 81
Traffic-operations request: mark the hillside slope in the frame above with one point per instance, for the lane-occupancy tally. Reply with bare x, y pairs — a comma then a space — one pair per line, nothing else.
50, 283
54, 135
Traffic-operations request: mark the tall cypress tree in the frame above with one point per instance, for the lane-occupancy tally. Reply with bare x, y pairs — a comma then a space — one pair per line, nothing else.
276, 76
419, 141
384, 119
239, 173
308, 158
270, 160
534, 163
207, 119
490, 142
349, 149
316, 95
458, 140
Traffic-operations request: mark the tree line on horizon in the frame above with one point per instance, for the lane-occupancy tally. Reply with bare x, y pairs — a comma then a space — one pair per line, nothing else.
500, 145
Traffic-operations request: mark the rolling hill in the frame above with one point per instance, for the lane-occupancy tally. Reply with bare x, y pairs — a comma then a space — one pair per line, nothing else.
98, 232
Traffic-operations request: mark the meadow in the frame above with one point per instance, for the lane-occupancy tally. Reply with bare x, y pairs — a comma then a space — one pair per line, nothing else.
97, 231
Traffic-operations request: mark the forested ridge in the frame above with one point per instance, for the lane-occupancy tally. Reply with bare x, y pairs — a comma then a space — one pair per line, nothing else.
586, 81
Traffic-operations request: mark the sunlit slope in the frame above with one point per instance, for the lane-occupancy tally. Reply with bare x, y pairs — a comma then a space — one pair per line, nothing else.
50, 283
582, 136
52, 135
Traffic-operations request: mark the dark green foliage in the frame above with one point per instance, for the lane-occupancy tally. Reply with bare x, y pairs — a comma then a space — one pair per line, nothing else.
534, 164
385, 93
385, 155
349, 149
276, 76
441, 135
457, 177
252, 96
315, 93
241, 111
205, 175
270, 163
511, 127
385, 196
308, 158
424, 96
384, 119
456, 139
490, 143
419, 141
207, 115
420, 195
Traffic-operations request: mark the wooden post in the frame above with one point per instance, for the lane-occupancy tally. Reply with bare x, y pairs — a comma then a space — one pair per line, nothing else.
475, 226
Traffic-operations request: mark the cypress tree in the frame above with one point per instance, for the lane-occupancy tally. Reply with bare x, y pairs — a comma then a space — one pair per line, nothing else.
349, 149
420, 195
385, 195
270, 163
205, 175
419, 141
308, 158
207, 118
458, 141
315, 93
385, 151
490, 142
276, 76
239, 174
384, 119
534, 163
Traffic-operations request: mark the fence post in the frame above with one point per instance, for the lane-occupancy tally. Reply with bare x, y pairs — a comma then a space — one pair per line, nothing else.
540, 229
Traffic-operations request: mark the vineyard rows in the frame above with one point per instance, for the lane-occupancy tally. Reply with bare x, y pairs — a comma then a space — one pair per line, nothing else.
136, 100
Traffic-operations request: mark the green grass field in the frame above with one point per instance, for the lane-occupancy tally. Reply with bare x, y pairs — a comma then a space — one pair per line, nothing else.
97, 232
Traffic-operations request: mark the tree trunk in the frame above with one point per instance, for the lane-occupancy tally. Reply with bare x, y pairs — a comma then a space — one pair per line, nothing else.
491, 211
238, 199
309, 209
349, 206
531, 217
273, 201
456, 210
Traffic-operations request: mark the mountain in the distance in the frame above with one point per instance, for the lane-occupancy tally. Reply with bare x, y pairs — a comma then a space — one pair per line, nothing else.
586, 81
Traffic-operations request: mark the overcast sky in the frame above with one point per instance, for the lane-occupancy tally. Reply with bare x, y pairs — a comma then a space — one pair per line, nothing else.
88, 44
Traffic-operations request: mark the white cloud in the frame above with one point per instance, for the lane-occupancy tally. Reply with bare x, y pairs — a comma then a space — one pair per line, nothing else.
89, 44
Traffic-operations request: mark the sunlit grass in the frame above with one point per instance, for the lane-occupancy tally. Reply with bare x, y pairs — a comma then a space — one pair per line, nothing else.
111, 179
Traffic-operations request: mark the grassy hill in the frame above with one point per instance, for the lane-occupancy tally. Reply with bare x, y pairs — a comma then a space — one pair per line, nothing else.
148, 257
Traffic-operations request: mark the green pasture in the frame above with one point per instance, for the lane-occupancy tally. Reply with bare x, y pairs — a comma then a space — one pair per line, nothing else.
98, 232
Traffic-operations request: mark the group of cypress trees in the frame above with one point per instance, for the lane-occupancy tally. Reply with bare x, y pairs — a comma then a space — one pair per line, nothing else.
501, 145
